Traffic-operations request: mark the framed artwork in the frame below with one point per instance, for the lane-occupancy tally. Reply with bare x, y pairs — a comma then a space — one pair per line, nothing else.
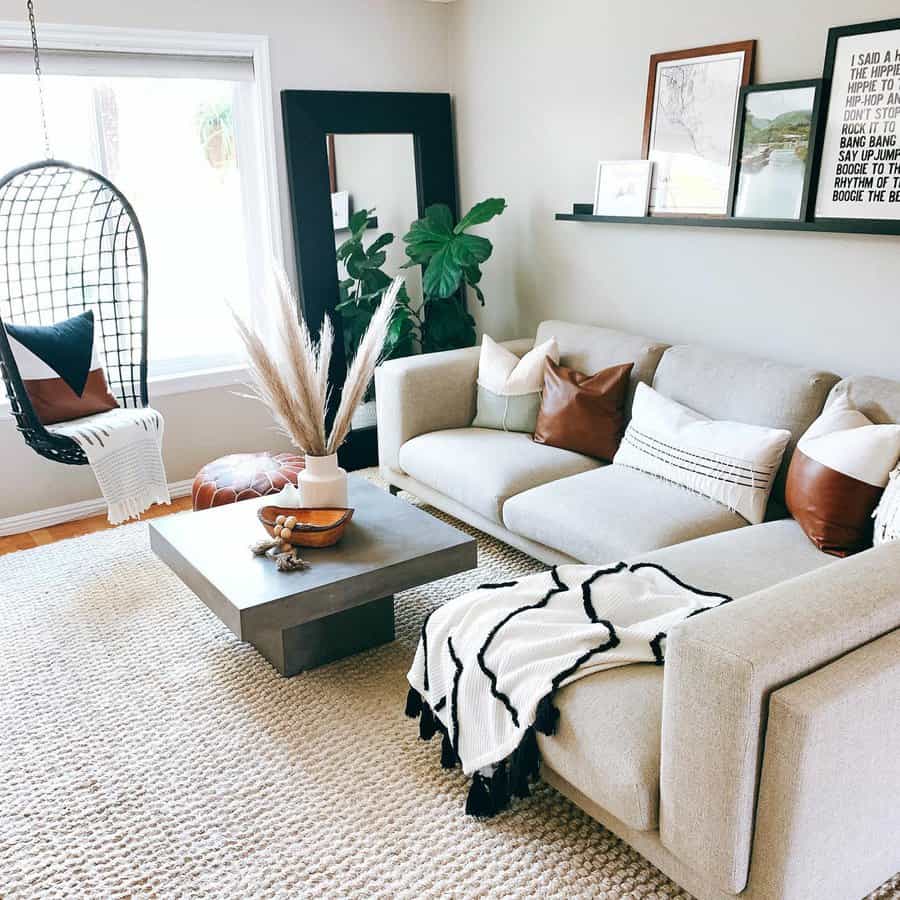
858, 176
689, 126
622, 187
773, 149
340, 209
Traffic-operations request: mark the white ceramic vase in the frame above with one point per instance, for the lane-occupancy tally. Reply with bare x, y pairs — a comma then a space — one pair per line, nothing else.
323, 482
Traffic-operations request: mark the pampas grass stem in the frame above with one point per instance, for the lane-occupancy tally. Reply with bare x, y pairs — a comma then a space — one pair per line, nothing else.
291, 377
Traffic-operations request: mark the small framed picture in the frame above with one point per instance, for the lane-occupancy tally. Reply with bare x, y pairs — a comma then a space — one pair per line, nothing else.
622, 187
340, 209
689, 125
773, 150
858, 150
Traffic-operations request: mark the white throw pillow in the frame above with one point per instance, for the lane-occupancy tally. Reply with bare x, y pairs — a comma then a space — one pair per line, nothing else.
887, 516
844, 439
502, 372
509, 388
729, 462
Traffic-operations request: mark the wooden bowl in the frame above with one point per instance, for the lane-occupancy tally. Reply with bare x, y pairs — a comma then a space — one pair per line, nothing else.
316, 526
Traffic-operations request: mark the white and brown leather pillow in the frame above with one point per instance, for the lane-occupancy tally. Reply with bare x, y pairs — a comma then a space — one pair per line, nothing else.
60, 368
837, 477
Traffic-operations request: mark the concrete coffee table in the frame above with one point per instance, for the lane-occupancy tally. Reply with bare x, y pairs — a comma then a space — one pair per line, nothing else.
341, 605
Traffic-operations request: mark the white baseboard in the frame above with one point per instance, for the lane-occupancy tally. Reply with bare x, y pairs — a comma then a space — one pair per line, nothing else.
44, 518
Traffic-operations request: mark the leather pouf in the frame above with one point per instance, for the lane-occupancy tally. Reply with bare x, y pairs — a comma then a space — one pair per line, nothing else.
242, 476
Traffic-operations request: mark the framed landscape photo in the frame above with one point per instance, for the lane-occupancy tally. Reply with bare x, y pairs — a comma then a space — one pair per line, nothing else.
622, 187
858, 177
773, 149
689, 126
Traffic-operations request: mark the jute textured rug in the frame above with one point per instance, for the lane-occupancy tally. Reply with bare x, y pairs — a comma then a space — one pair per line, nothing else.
146, 752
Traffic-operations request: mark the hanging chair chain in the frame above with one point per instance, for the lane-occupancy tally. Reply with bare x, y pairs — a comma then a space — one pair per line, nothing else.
37, 75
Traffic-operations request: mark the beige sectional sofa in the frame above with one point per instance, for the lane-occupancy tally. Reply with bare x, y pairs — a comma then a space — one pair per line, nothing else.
762, 759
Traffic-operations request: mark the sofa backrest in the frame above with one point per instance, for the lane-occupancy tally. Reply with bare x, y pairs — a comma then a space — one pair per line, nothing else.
745, 389
877, 398
589, 348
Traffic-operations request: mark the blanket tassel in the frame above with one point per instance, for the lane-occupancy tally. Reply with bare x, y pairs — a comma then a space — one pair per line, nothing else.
547, 716
524, 764
413, 703
448, 754
427, 727
500, 787
478, 803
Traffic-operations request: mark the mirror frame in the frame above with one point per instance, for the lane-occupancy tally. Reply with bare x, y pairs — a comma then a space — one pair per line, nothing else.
308, 117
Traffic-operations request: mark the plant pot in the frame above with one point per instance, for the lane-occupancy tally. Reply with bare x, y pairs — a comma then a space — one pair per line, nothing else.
323, 483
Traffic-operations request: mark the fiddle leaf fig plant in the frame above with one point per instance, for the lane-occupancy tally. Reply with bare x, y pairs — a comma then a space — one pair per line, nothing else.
450, 257
361, 291
448, 254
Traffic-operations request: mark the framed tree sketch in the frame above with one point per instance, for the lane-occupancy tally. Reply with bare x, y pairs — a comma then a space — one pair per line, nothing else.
689, 125
859, 150
776, 134
622, 187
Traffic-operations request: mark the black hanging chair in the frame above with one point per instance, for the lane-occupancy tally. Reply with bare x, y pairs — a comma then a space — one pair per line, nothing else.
69, 242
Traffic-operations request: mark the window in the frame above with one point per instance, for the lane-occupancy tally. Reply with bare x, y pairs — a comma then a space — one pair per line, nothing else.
182, 135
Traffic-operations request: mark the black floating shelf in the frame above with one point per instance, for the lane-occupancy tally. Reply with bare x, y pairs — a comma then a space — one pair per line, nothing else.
581, 212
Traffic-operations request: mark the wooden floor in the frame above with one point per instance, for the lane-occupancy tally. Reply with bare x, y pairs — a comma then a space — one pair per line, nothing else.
29, 539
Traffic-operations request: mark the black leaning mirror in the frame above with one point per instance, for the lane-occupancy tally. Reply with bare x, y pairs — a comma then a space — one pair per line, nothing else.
372, 178
393, 151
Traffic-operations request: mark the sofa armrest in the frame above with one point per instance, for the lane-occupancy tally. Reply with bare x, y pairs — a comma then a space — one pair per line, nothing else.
721, 668
828, 821
419, 394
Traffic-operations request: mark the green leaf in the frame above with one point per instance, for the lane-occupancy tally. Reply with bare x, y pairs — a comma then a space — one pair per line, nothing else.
470, 250
481, 213
359, 221
443, 275
446, 326
472, 274
379, 242
440, 217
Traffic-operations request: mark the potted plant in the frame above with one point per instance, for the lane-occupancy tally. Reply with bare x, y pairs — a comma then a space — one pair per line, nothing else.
450, 258
290, 375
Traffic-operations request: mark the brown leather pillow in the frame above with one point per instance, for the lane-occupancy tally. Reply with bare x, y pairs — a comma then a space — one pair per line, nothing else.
584, 413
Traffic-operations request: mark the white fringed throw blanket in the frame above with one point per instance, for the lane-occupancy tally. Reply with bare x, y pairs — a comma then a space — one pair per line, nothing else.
123, 447
489, 662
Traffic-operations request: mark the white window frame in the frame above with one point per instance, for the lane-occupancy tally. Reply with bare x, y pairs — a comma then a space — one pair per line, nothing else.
100, 39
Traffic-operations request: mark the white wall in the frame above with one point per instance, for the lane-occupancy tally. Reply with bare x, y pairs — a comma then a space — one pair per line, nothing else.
339, 44
543, 90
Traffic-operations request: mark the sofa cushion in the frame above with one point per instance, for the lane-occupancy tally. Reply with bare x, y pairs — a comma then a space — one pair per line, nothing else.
614, 513
742, 562
588, 348
607, 743
480, 468
744, 389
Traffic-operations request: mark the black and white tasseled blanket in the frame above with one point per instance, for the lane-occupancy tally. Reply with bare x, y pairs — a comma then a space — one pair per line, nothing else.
489, 662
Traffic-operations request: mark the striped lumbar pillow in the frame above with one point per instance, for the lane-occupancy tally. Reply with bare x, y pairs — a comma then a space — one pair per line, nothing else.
509, 388
60, 368
729, 462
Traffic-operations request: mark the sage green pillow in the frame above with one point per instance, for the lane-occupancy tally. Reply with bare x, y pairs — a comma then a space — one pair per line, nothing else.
507, 412
509, 388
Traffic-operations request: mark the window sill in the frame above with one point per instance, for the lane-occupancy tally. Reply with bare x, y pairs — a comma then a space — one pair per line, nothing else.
186, 383
201, 380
